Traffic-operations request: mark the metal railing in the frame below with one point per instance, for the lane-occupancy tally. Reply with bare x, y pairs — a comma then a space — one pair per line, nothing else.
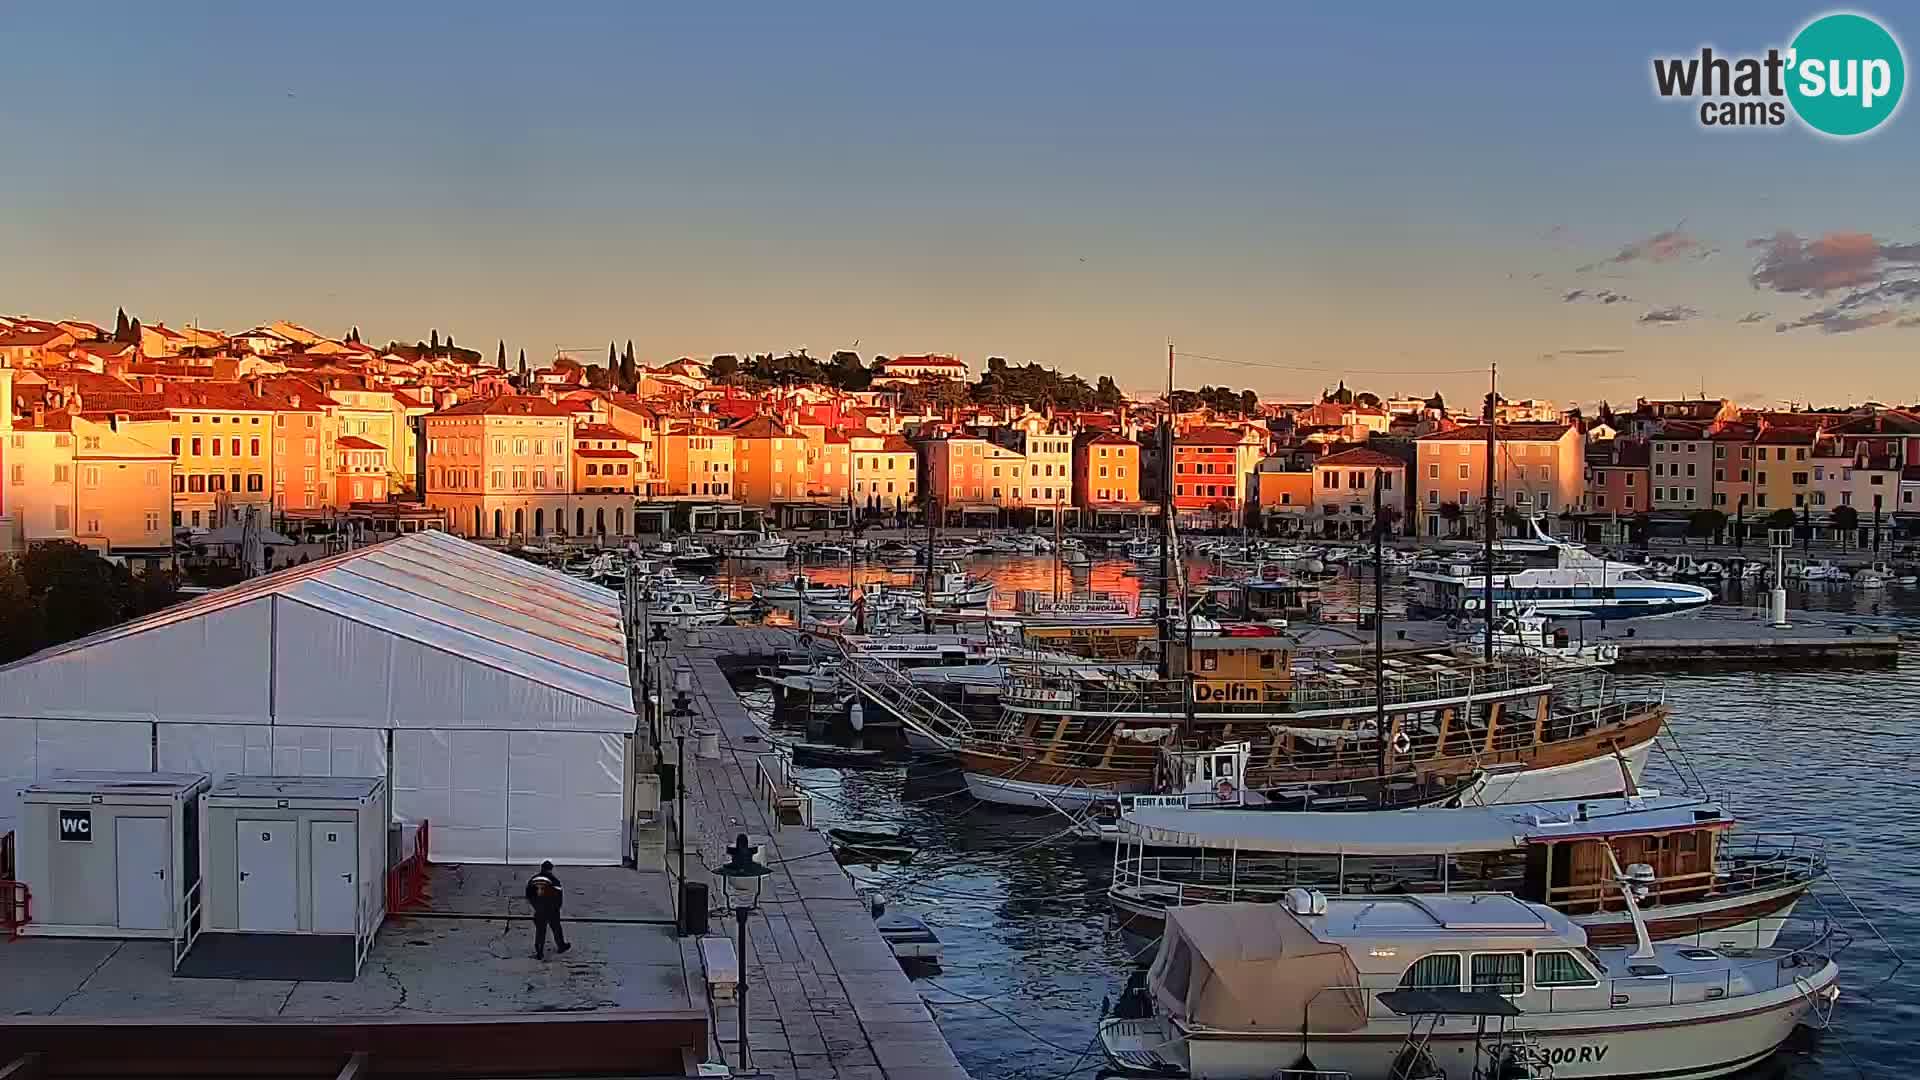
407, 879
186, 923
893, 690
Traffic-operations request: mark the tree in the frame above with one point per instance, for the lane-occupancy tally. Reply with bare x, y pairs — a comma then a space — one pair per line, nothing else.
1513, 519
1249, 403
846, 372
1781, 519
450, 345
724, 367
629, 371
120, 325
599, 378
523, 365
434, 342
1106, 393
1706, 523
133, 333
1845, 520
1368, 398
500, 356
353, 335
1451, 513
613, 358
20, 630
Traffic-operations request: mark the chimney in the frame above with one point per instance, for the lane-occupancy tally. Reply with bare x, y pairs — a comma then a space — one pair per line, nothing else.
39, 414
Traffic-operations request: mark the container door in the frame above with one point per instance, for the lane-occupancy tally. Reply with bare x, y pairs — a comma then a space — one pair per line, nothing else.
269, 890
140, 851
333, 895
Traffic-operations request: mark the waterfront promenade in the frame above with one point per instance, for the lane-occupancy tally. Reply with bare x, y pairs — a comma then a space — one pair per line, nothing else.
826, 998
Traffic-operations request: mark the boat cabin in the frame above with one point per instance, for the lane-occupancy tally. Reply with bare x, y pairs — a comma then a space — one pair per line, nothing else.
1121, 639
1239, 662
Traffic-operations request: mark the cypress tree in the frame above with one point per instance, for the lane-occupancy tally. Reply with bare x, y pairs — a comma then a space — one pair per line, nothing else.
500, 358
434, 342
523, 363
120, 327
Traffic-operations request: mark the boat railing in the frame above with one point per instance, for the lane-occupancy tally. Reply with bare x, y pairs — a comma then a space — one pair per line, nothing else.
1658, 987
1045, 687
1746, 864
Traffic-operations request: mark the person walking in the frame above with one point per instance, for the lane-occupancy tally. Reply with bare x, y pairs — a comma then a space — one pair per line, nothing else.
545, 897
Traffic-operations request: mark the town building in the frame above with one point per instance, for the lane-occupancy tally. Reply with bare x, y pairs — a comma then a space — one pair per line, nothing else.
1680, 460
1212, 467
769, 463
1343, 489
1542, 470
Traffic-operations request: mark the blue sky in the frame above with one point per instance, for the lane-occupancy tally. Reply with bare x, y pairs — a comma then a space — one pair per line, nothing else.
1309, 190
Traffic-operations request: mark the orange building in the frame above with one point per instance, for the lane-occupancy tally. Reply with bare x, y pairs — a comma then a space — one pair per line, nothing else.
1106, 472
360, 470
1285, 498
769, 462
1623, 486
1212, 467
1542, 470
603, 460
304, 456
501, 467
966, 472
696, 459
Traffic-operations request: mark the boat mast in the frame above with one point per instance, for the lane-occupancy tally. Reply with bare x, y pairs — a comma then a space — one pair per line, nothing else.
1493, 424
1166, 523
1379, 636
1056, 552
926, 600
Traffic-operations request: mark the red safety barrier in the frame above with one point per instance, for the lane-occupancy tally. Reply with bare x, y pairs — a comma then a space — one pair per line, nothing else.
407, 880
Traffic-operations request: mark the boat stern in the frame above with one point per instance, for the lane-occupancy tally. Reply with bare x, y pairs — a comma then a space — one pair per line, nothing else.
1147, 1046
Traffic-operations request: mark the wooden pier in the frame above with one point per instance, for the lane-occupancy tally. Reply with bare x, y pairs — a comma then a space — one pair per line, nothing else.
827, 1000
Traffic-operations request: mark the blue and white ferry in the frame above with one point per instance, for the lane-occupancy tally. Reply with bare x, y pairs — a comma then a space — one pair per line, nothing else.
1580, 585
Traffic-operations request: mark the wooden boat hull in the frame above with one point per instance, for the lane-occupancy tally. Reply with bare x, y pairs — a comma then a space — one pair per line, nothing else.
1583, 767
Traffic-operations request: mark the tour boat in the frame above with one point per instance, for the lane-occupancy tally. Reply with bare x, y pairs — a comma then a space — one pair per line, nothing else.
1455, 986
1073, 734
1703, 885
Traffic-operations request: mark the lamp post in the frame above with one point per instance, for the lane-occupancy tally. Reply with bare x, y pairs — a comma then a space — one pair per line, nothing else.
682, 683
1740, 524
742, 875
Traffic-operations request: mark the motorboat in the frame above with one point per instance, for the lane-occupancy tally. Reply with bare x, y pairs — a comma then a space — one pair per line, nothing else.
1813, 570
1869, 579
1452, 985
694, 555
1705, 883
1525, 632
1893, 575
768, 548
800, 587
1579, 585
910, 938
952, 587
1142, 549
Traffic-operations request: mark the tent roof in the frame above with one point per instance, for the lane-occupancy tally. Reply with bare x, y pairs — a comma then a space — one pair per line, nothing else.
1254, 967
1432, 831
425, 630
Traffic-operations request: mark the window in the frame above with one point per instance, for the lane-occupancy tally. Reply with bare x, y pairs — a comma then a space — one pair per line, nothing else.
1502, 972
62, 474
60, 518
1719, 476
256, 481
19, 474
90, 476
196, 483
1690, 494
1441, 971
216, 447
196, 446
153, 521
236, 447
1561, 969
1629, 479
1433, 497
253, 447
1433, 471
1464, 471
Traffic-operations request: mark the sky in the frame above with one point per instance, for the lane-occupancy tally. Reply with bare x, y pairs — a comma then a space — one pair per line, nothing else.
1396, 194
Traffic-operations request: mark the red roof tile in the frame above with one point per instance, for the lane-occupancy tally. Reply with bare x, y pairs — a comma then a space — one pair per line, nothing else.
508, 405
355, 442
1363, 458
1534, 432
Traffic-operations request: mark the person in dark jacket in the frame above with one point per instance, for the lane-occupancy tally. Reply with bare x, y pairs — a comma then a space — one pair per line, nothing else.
545, 897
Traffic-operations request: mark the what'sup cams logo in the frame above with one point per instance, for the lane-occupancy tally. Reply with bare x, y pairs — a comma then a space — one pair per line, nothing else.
1842, 76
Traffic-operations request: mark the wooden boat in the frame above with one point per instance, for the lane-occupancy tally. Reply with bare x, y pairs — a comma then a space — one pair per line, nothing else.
816, 753
910, 938
1073, 734
1702, 884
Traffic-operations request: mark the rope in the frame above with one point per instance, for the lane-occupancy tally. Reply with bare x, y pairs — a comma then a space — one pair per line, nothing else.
996, 1010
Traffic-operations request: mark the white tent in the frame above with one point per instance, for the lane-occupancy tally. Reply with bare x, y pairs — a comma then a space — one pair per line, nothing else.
492, 694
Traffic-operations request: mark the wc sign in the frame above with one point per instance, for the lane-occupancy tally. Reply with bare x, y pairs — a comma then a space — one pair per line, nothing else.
76, 825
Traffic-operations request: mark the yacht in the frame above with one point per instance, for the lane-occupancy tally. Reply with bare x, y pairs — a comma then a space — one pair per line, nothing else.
1453, 985
768, 548
800, 587
1579, 585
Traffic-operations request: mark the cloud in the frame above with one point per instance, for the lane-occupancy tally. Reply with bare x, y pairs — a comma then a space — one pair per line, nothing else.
1667, 245
1837, 260
1911, 322
1591, 350
1756, 316
1598, 296
1861, 309
1666, 316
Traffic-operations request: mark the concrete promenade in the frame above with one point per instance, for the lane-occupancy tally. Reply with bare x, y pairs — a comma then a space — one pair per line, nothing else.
826, 998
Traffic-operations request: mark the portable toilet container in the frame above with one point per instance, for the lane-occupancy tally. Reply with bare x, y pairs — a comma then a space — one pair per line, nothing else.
111, 854
295, 870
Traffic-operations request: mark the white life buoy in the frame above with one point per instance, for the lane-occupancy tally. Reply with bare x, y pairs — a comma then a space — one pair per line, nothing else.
1224, 789
1401, 744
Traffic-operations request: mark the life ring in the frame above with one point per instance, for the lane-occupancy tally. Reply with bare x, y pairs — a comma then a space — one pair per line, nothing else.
1401, 743
1224, 789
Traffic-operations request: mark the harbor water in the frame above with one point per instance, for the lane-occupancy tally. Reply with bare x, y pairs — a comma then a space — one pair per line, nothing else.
1828, 753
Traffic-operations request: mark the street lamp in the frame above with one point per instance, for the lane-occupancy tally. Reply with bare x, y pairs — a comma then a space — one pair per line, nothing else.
680, 713
742, 876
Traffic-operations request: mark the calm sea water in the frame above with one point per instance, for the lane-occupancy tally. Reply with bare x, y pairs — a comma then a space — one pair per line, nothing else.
1823, 752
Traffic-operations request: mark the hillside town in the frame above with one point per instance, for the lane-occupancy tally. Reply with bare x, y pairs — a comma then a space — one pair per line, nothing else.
142, 438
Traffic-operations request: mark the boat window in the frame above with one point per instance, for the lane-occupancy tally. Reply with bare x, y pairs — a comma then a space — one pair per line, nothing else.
1561, 969
1501, 972
1441, 971
1266, 661
1209, 660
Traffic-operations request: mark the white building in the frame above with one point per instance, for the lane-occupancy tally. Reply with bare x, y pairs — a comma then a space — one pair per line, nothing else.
491, 694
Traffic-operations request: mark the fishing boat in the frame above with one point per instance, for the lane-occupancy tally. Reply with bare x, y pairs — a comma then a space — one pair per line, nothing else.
768, 547
694, 555
1579, 585
800, 587
952, 587
1703, 883
1454, 985
1072, 734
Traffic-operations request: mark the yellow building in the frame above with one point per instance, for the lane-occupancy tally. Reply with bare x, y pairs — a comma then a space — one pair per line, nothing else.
696, 459
1047, 460
603, 460
123, 486
502, 468
885, 472
222, 444
769, 462
967, 472
38, 459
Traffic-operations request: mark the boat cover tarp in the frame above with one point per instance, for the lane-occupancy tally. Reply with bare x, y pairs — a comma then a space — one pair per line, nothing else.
492, 692
1254, 967
1429, 831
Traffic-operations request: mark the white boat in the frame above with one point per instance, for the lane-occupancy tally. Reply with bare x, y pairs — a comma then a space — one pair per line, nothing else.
769, 548
1142, 549
1869, 579
1892, 575
910, 937
1579, 585
1525, 632
1813, 570
800, 587
1451, 986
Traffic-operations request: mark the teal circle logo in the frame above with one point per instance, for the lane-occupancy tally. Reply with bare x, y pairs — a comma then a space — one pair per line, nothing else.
1845, 75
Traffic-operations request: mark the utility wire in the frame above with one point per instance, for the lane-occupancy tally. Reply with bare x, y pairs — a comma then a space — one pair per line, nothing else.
1328, 370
